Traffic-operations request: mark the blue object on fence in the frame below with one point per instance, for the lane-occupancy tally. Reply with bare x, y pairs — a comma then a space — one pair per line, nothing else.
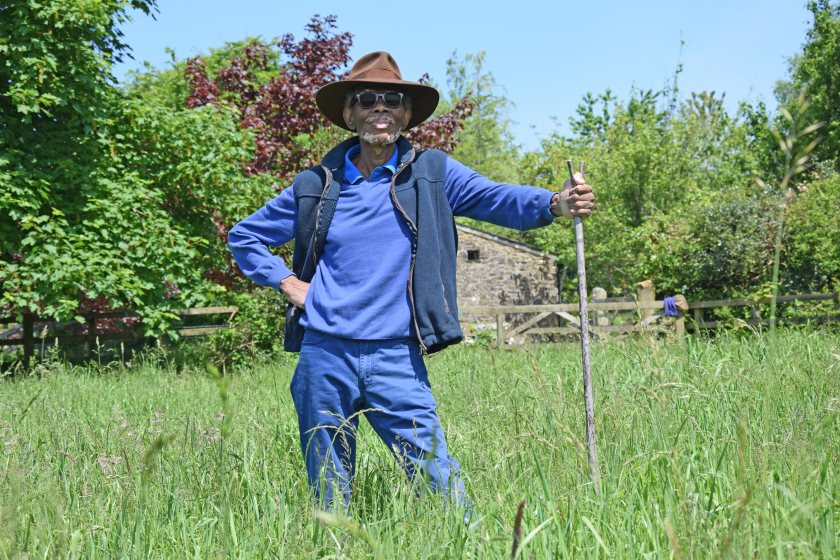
670, 307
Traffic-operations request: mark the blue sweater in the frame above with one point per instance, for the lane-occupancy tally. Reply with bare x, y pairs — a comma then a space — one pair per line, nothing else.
359, 287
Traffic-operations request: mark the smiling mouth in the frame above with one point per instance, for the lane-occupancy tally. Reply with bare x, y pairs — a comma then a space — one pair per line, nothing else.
380, 121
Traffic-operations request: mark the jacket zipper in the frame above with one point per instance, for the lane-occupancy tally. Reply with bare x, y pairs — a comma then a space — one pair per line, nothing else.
413, 227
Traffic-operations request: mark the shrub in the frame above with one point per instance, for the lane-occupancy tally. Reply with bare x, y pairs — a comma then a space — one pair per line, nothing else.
257, 329
812, 238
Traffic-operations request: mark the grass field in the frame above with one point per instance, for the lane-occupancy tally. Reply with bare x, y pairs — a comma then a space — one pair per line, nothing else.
724, 448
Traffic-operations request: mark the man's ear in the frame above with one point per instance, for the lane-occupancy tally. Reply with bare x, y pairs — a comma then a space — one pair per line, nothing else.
348, 118
407, 118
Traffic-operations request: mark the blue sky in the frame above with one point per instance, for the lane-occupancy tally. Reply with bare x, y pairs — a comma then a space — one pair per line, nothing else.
544, 55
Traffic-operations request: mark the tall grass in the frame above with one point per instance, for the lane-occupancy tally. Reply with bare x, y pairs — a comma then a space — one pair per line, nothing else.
724, 448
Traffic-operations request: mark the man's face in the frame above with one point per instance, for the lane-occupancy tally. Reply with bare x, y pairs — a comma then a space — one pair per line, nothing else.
379, 125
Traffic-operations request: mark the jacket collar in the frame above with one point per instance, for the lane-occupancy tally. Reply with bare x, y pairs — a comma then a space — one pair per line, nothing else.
334, 160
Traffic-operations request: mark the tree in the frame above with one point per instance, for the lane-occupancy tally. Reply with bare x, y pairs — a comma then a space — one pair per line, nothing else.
281, 110
486, 143
291, 134
113, 203
664, 171
82, 229
816, 74
812, 240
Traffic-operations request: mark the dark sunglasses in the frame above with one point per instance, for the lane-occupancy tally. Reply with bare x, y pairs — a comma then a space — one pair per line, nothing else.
368, 99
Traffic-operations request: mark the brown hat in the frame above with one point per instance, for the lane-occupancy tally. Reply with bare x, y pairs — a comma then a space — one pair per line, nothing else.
376, 69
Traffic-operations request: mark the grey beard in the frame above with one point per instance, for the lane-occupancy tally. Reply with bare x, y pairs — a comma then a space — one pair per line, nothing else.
372, 139
375, 140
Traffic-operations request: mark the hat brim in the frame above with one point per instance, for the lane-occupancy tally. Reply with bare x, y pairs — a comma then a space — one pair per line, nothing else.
330, 99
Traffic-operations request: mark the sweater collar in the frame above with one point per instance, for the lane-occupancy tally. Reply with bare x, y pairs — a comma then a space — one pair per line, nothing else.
352, 175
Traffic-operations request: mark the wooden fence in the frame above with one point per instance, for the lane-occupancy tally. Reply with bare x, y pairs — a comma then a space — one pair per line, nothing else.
514, 324
621, 317
95, 332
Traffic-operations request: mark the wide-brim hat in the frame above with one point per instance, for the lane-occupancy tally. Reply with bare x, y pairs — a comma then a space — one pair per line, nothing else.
376, 69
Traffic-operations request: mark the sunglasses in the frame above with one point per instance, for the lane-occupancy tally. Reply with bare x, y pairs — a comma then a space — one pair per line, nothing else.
368, 99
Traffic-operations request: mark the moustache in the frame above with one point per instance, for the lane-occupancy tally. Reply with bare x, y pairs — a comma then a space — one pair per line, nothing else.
383, 117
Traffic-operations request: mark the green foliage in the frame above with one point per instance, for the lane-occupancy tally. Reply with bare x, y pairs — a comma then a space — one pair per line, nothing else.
679, 183
662, 171
812, 239
159, 87
195, 158
721, 246
119, 245
816, 74
112, 199
797, 158
166, 86
81, 224
257, 329
57, 58
486, 143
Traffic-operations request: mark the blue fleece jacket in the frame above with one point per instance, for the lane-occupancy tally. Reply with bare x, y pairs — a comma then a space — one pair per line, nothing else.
359, 287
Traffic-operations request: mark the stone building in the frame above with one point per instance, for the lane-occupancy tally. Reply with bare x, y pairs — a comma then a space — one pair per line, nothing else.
493, 270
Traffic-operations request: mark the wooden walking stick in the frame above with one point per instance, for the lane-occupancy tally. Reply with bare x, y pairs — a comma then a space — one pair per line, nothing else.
594, 472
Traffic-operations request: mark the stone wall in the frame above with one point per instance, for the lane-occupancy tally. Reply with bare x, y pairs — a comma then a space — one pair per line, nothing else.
497, 271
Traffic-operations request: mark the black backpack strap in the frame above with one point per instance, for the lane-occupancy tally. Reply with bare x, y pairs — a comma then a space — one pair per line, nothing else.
323, 219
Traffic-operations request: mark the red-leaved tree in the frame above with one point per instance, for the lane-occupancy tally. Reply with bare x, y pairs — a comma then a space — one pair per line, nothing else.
283, 109
441, 132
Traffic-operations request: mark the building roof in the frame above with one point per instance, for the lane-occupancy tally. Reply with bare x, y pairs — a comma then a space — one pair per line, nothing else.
504, 241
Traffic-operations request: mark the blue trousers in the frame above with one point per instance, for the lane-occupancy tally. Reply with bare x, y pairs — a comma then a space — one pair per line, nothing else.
339, 379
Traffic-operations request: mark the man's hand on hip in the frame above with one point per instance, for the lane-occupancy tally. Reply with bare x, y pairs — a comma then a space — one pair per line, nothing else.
295, 290
577, 200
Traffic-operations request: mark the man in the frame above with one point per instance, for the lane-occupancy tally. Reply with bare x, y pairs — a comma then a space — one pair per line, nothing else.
382, 289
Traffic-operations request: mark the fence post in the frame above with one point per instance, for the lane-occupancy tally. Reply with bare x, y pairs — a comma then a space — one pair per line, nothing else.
601, 317
500, 329
679, 326
698, 320
682, 309
28, 340
645, 293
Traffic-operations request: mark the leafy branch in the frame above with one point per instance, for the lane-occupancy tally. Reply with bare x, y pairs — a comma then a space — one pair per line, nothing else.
797, 161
